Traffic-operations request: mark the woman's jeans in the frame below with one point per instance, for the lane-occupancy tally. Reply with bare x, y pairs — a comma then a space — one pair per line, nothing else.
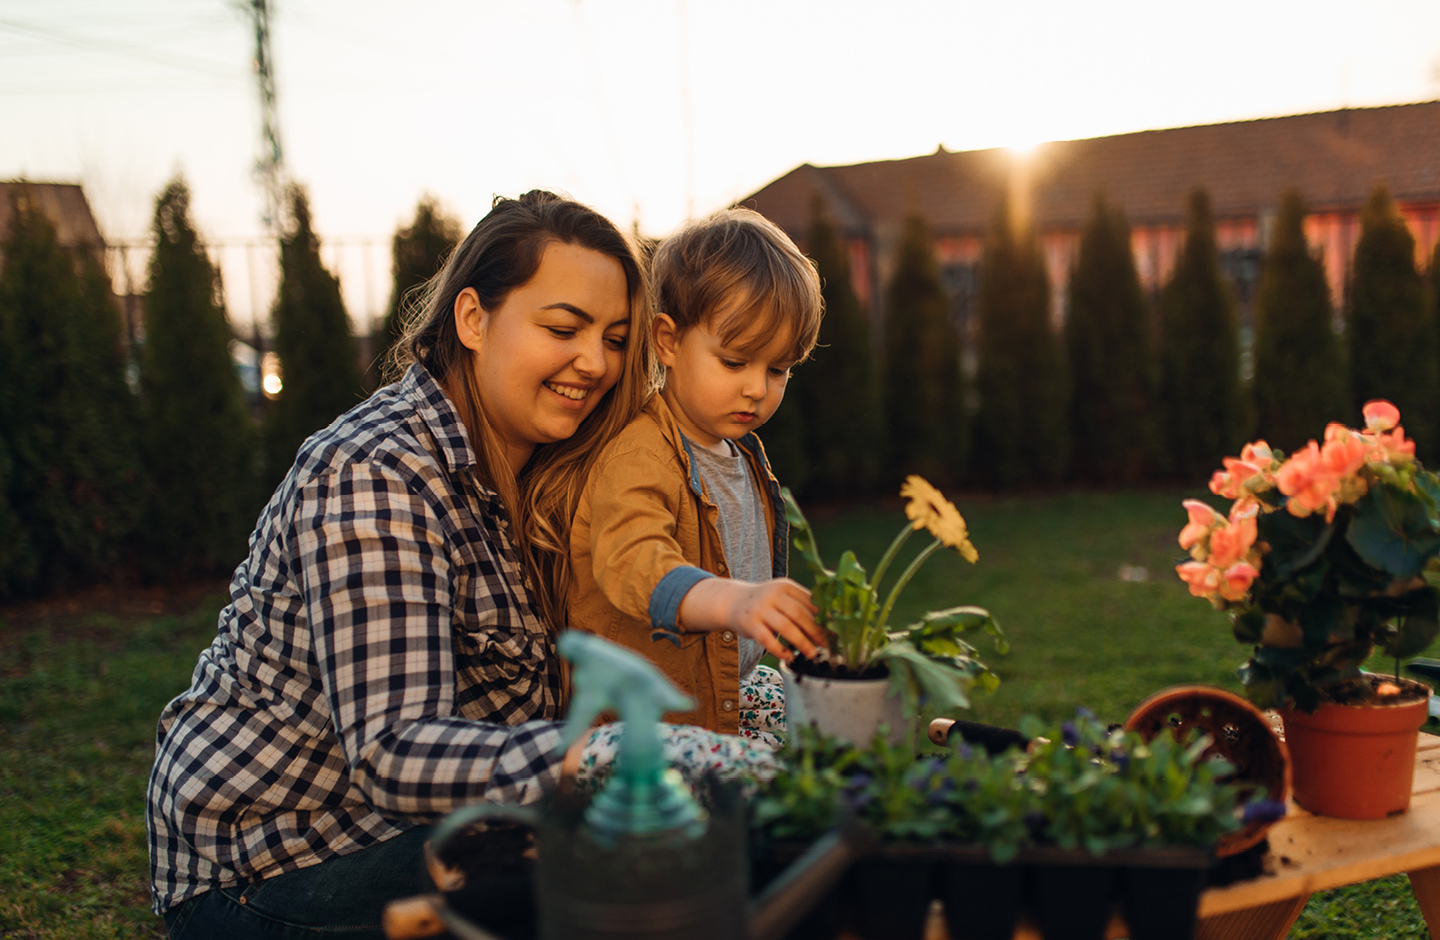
342, 897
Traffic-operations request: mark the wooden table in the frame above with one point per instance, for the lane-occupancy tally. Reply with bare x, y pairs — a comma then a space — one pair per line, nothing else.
1312, 853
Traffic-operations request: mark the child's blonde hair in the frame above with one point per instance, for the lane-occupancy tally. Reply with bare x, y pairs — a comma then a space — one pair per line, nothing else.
732, 271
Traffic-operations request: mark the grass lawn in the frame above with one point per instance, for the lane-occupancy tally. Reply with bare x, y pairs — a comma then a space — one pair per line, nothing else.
80, 693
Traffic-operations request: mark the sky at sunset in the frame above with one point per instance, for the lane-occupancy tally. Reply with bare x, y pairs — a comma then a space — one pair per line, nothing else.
647, 109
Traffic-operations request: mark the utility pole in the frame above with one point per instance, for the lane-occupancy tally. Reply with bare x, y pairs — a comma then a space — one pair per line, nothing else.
269, 168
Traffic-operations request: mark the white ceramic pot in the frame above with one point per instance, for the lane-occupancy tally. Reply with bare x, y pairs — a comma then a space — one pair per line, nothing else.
850, 709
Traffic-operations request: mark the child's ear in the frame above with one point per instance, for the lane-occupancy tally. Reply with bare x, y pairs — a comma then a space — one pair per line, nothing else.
667, 337
469, 319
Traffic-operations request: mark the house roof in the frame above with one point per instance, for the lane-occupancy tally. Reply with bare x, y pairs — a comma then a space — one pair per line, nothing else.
1333, 157
63, 203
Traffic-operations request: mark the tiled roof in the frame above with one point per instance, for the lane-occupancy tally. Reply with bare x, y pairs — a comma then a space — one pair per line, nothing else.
1334, 157
63, 203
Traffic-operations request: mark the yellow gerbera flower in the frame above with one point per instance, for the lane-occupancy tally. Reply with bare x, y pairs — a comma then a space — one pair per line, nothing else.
928, 509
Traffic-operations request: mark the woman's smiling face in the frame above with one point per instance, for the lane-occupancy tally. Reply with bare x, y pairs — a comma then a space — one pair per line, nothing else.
547, 355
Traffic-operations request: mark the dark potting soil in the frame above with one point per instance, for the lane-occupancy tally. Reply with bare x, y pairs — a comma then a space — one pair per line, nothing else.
1242, 866
803, 667
497, 893
1361, 691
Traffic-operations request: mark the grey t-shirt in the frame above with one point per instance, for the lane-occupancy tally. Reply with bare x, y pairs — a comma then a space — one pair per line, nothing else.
743, 532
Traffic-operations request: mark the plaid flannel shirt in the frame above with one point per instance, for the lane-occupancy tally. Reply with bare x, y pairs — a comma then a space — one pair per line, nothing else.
380, 662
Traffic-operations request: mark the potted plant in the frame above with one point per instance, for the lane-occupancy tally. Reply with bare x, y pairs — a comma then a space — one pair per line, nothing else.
871, 674
1323, 557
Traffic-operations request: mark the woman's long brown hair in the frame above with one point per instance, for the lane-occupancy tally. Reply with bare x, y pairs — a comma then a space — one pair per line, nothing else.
501, 253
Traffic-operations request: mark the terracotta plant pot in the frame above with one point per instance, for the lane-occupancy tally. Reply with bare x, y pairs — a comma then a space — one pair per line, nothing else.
1239, 732
849, 709
1355, 761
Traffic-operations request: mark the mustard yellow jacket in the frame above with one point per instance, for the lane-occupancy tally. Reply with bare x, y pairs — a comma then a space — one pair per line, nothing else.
644, 533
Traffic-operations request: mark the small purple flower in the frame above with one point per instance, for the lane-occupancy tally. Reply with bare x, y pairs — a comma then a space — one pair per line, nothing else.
1069, 734
964, 751
1120, 759
1263, 811
1084, 714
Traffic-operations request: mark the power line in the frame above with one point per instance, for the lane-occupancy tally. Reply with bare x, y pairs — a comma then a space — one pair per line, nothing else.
110, 47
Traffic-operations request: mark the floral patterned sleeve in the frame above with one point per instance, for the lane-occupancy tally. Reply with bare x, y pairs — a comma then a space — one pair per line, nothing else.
695, 752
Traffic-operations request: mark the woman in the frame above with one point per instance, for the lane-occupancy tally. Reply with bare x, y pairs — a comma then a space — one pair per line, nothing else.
385, 656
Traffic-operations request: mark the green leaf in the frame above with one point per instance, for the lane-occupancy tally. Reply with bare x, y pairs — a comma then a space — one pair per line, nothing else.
943, 683
1416, 629
1393, 531
850, 571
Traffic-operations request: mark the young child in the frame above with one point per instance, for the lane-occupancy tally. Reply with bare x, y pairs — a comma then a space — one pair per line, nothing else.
680, 534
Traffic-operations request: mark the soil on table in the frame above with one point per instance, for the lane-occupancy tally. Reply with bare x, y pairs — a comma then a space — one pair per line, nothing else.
803, 667
1362, 691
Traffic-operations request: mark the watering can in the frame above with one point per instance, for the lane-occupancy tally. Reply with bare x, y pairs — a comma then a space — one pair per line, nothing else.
643, 860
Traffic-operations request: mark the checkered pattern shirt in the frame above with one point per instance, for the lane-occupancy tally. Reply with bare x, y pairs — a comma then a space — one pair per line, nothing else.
380, 662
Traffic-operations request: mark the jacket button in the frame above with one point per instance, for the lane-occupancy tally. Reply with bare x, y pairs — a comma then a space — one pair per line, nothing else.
728, 637
727, 705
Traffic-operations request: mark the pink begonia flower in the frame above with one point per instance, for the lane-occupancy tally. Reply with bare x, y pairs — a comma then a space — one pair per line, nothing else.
1230, 482
1392, 444
1237, 580
1380, 415
1204, 580
1308, 482
1257, 453
1342, 454
1202, 518
1231, 543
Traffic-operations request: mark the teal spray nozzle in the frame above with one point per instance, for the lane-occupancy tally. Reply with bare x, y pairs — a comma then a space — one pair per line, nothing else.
643, 796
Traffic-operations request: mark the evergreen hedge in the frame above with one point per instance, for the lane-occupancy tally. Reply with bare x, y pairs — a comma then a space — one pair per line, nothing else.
1113, 371
68, 416
1300, 382
417, 253
200, 443
318, 357
1393, 337
1020, 433
1200, 353
923, 405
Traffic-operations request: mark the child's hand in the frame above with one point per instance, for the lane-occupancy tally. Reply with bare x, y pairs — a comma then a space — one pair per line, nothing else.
765, 612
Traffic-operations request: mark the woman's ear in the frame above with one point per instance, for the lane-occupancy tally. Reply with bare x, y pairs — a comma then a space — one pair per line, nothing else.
469, 319
667, 337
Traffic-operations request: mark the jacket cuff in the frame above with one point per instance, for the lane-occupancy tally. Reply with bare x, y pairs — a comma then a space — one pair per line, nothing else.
665, 601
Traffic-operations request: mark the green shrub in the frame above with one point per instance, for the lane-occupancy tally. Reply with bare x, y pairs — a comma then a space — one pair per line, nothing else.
318, 358
1300, 382
1200, 353
199, 439
1111, 357
1394, 353
68, 416
1020, 435
924, 417
417, 253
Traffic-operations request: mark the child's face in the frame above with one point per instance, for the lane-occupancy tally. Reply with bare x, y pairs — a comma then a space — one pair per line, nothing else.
718, 392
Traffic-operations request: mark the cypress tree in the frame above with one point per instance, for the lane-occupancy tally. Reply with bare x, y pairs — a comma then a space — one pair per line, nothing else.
1300, 381
417, 252
1393, 347
70, 452
318, 358
1112, 367
1200, 353
826, 443
199, 439
923, 409
1020, 427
